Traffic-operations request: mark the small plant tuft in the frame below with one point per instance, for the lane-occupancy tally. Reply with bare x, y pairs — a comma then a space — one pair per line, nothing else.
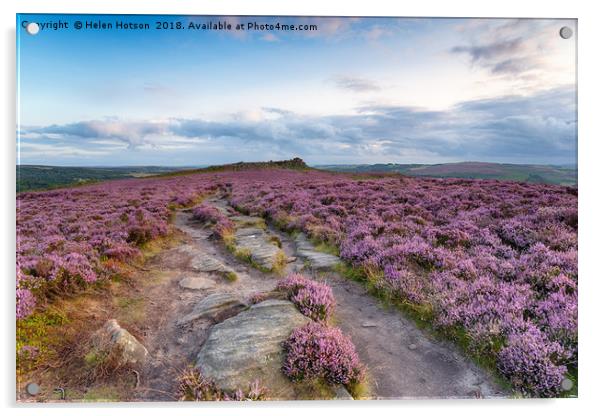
193, 386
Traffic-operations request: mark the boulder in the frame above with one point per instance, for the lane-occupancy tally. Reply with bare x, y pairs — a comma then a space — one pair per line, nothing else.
196, 283
113, 340
248, 347
214, 307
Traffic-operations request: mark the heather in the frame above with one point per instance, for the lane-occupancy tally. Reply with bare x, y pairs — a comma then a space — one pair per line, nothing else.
490, 261
494, 262
68, 239
319, 352
71, 238
221, 224
313, 299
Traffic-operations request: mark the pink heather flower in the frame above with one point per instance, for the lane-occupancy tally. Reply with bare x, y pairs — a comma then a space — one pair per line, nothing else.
313, 299
316, 351
25, 303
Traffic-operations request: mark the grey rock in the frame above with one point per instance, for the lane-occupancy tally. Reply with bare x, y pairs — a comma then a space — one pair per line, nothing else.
196, 283
248, 347
112, 338
256, 242
189, 249
215, 306
369, 324
316, 259
204, 262
341, 393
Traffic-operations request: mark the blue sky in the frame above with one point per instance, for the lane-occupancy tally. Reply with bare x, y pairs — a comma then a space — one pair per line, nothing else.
357, 90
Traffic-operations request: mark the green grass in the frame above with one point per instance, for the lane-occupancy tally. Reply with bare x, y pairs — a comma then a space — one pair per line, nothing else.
103, 394
33, 331
325, 247
230, 276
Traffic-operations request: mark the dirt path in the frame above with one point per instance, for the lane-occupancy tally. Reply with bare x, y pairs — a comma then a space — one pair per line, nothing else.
402, 360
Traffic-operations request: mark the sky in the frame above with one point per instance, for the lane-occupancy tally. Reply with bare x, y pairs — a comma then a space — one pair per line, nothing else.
354, 91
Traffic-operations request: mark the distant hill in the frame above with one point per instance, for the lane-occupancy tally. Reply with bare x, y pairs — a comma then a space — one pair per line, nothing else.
558, 175
295, 163
38, 177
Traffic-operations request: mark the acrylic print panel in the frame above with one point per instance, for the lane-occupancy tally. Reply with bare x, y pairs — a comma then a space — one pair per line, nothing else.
281, 208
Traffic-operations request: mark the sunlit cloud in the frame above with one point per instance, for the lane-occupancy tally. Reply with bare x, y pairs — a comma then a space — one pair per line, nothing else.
511, 128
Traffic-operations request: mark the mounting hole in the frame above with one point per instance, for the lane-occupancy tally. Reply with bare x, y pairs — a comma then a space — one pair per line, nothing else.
33, 389
566, 32
566, 384
32, 28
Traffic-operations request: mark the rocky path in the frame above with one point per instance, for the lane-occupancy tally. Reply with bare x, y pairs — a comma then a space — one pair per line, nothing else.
209, 321
404, 361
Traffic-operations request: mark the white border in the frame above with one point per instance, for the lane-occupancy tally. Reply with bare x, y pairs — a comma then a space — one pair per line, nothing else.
590, 189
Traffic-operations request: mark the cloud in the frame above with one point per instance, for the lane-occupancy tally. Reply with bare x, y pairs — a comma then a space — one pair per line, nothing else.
487, 52
527, 52
537, 129
133, 133
355, 84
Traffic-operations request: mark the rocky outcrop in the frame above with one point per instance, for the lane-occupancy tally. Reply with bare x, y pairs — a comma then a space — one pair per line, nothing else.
215, 307
316, 259
248, 346
113, 341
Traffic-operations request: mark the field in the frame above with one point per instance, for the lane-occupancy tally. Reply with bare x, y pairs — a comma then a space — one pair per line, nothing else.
490, 264
33, 177
556, 175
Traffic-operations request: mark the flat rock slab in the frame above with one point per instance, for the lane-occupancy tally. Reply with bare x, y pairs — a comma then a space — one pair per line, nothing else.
189, 249
256, 241
248, 347
215, 306
203, 262
196, 283
317, 259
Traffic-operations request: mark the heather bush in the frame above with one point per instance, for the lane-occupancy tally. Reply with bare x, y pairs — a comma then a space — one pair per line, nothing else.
25, 303
313, 299
184, 200
316, 351
206, 213
530, 361
222, 225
